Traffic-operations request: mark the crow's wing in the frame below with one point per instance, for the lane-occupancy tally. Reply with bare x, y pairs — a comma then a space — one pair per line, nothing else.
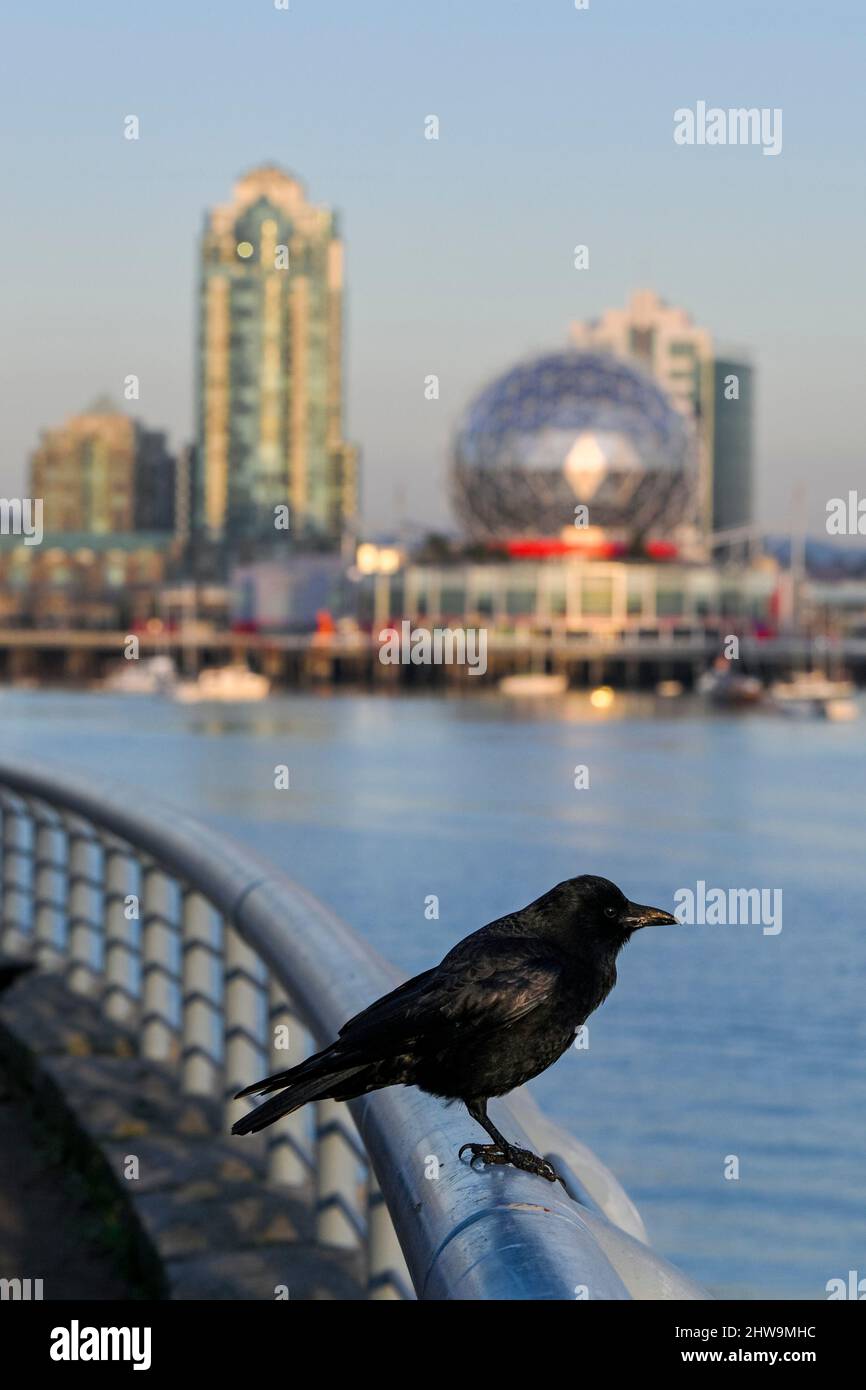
390, 1009
479, 992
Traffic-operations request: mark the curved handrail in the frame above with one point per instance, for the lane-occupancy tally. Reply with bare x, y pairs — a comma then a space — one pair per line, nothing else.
497, 1234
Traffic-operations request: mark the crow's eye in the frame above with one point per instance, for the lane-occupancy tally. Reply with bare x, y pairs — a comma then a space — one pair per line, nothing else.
610, 912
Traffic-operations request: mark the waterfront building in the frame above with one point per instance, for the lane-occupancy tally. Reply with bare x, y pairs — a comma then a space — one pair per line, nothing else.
577, 597
270, 367
288, 595
103, 473
84, 580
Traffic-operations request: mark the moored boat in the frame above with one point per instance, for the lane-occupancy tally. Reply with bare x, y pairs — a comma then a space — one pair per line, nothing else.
722, 686
813, 694
533, 684
228, 684
154, 675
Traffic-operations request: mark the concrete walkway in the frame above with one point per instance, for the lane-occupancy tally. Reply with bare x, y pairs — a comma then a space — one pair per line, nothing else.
48, 1228
114, 1185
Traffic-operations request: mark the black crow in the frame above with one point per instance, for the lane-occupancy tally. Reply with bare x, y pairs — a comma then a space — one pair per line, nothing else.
500, 1008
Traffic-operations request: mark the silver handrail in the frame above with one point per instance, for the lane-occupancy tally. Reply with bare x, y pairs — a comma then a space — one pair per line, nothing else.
84, 862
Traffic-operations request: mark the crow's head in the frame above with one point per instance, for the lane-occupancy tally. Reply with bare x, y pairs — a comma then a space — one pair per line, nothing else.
597, 909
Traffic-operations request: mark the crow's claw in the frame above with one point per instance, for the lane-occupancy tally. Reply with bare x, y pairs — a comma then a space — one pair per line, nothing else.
488, 1153
531, 1163
518, 1158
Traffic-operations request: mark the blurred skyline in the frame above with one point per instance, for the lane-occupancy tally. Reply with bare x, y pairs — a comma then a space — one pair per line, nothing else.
556, 128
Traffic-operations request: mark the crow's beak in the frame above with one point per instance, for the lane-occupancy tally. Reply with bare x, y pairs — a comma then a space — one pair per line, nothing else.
638, 916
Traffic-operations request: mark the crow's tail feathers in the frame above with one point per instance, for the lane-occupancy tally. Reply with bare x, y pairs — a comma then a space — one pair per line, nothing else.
321, 1064
273, 1083
316, 1079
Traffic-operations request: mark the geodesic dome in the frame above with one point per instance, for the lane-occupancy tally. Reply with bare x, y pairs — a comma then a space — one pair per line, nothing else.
567, 428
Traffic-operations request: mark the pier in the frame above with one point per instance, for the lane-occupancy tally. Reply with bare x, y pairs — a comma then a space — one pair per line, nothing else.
630, 659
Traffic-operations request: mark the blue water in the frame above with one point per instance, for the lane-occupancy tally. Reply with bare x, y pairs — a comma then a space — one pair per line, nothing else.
718, 1040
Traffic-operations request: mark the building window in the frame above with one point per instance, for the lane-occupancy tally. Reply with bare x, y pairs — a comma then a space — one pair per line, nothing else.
596, 596
557, 602
641, 342
519, 602
670, 603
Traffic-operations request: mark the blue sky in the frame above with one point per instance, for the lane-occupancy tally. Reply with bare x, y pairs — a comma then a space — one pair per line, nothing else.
556, 128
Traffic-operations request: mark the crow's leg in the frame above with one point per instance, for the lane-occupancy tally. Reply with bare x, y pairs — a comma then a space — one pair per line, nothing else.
500, 1151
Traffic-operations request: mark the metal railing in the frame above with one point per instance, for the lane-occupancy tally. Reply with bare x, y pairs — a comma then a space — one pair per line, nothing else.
216, 959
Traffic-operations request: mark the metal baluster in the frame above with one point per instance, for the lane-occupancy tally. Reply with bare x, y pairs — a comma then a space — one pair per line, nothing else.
15, 936
159, 1039
387, 1275
201, 1001
288, 1142
84, 919
49, 892
120, 999
245, 1055
338, 1205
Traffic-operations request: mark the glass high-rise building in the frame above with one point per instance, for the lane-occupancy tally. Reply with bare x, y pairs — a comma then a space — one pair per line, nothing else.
733, 407
270, 378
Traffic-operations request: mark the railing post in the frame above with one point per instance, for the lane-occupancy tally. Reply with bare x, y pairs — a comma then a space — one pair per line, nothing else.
50, 895
122, 990
387, 1275
337, 1177
288, 1142
159, 966
17, 868
201, 1003
84, 921
244, 1019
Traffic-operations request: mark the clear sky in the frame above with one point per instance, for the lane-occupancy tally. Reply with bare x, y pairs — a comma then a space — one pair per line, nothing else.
556, 127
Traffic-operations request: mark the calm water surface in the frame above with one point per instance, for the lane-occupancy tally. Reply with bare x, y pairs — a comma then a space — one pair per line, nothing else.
718, 1041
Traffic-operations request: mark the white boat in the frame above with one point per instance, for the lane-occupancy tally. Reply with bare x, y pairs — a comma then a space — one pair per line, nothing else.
812, 685
533, 684
813, 694
841, 711
230, 684
722, 686
154, 675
